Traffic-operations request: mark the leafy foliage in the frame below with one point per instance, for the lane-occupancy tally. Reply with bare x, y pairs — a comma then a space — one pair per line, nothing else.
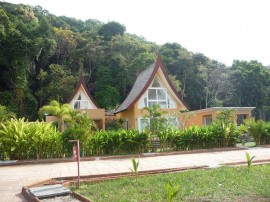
259, 130
249, 160
135, 167
23, 140
118, 142
225, 120
5, 114
44, 53
171, 191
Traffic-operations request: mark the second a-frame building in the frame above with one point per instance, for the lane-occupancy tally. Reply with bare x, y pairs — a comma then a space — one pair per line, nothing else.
82, 100
152, 86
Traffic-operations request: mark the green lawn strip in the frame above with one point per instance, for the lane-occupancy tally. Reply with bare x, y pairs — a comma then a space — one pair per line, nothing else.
220, 184
247, 144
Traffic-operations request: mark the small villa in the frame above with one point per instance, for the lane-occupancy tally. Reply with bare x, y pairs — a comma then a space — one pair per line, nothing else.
83, 101
205, 117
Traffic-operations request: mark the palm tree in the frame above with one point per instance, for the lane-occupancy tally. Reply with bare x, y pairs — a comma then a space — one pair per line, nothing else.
156, 116
226, 120
55, 109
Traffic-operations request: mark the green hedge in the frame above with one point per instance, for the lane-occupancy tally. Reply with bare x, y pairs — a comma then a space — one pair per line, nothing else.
265, 137
259, 130
206, 137
119, 142
24, 140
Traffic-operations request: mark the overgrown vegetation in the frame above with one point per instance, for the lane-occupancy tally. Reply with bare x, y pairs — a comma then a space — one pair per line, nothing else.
220, 184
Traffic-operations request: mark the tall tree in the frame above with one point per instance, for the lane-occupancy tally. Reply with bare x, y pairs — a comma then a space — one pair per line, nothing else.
251, 82
106, 95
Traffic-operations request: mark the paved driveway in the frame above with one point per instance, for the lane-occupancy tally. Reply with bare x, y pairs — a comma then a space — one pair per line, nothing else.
12, 178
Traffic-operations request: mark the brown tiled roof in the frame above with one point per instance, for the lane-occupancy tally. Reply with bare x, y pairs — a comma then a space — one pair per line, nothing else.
142, 83
82, 83
137, 89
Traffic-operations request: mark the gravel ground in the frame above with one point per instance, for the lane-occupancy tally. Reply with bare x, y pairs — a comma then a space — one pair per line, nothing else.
67, 198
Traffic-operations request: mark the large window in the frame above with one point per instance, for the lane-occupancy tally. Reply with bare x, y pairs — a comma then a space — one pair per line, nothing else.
81, 104
156, 94
145, 123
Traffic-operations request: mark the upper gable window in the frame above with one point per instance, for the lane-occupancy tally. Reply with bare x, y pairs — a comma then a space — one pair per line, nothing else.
156, 94
81, 102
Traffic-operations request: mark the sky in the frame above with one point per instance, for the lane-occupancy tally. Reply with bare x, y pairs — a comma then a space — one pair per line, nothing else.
223, 30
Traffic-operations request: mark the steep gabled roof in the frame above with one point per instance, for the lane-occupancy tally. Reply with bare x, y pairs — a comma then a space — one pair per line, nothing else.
142, 83
82, 83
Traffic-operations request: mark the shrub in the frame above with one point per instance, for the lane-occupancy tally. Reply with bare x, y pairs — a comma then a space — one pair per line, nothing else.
256, 129
118, 142
265, 136
76, 134
23, 140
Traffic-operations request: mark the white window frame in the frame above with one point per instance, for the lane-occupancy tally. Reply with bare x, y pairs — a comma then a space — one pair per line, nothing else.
168, 100
157, 100
88, 105
176, 121
140, 124
149, 122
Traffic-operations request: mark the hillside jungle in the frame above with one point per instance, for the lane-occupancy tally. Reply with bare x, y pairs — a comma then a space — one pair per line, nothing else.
41, 56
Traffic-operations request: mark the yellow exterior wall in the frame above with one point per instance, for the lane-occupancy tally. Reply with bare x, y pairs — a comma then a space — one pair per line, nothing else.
98, 115
134, 112
196, 117
130, 116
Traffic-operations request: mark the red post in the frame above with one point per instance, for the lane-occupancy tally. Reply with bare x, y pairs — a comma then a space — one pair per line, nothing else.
75, 152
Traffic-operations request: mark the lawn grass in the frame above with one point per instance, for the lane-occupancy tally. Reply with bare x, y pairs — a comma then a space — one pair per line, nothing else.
219, 184
247, 144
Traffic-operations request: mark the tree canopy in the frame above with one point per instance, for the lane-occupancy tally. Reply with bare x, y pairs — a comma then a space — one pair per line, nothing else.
41, 56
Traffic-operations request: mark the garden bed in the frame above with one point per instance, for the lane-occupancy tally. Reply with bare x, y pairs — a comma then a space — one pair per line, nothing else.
221, 184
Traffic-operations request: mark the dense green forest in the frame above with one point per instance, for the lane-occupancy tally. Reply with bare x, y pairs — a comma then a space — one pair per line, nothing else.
41, 56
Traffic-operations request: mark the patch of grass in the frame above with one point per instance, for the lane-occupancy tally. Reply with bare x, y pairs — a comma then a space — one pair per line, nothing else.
220, 184
247, 144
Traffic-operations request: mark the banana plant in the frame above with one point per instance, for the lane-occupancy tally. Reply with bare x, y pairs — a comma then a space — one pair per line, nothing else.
249, 160
171, 191
135, 165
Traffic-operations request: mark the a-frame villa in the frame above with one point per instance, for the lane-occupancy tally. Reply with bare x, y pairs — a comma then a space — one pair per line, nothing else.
152, 86
83, 101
